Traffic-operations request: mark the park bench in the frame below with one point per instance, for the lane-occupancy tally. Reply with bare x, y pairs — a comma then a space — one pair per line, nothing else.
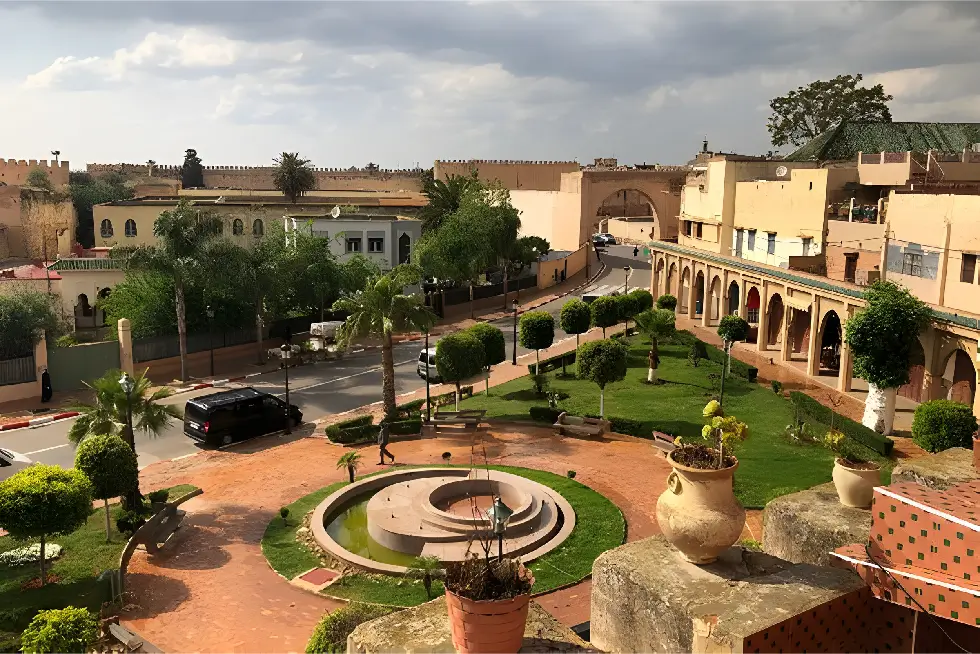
664, 442
579, 426
467, 419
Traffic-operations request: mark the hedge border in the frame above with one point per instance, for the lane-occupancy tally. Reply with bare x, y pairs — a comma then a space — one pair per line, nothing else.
553, 363
715, 355
855, 430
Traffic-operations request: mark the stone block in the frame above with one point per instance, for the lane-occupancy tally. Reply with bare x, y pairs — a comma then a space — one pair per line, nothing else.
425, 628
646, 598
805, 527
938, 471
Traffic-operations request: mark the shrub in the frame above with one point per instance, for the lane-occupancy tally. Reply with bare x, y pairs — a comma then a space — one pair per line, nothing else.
129, 520
284, 513
643, 299
602, 362
110, 465
351, 435
404, 427
855, 430
605, 312
331, 633
69, 629
540, 384
161, 495
575, 317
459, 356
570, 474
411, 409
626, 426
30, 554
355, 422
667, 301
544, 414
628, 306
941, 424
777, 386
537, 331
68, 340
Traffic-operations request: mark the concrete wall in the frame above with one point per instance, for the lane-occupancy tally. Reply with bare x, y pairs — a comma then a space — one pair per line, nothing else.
85, 282
29, 390
885, 168
571, 265
48, 225
538, 212
14, 172
514, 175
631, 230
862, 239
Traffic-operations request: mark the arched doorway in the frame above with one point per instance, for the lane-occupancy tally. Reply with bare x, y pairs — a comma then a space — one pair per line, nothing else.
960, 377
752, 305
799, 330
699, 294
831, 338
635, 212
775, 313
715, 299
671, 280
917, 373
404, 249
100, 312
660, 278
685, 290
733, 298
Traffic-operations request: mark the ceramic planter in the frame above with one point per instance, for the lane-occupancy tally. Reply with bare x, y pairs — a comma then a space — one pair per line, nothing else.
855, 486
487, 625
698, 513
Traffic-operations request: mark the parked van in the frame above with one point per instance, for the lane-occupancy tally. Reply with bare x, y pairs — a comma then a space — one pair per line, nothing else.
432, 373
227, 416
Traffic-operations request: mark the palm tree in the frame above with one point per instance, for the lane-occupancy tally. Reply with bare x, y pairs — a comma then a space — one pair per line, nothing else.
655, 324
184, 236
425, 568
351, 461
293, 175
381, 310
445, 197
112, 408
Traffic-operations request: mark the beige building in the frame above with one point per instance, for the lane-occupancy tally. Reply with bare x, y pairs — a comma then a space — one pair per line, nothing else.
84, 281
35, 224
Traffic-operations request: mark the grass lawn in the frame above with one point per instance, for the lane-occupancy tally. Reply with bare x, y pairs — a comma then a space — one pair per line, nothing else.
770, 464
599, 527
84, 557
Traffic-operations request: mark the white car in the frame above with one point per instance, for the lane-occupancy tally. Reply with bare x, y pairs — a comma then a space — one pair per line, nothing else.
429, 370
11, 463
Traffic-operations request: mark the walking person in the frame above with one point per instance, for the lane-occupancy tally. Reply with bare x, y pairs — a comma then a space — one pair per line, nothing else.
636, 250
383, 438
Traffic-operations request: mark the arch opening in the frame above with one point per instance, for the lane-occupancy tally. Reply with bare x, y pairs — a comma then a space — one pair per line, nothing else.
776, 312
699, 294
734, 297
917, 374
960, 378
831, 339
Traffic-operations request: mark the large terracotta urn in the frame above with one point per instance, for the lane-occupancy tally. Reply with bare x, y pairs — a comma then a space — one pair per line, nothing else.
698, 513
487, 625
855, 483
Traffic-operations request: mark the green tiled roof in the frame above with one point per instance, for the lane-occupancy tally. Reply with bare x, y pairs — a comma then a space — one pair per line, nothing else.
85, 264
847, 139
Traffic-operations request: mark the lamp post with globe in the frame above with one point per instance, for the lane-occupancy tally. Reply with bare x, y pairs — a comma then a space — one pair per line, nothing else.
499, 515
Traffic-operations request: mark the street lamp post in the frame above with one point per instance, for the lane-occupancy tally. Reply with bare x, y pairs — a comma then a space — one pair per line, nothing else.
626, 288
428, 409
286, 351
499, 515
514, 359
210, 313
127, 384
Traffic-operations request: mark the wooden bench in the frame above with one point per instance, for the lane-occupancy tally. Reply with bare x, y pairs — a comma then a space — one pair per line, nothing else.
579, 426
664, 442
467, 419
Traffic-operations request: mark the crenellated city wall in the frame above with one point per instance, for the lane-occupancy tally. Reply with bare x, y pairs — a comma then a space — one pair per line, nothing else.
514, 175
13, 172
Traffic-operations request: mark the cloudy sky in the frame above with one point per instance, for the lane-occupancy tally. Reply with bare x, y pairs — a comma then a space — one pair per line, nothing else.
404, 82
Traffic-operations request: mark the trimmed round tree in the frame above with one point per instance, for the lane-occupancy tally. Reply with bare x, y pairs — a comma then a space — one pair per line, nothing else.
602, 362
644, 299
667, 301
110, 465
881, 338
42, 501
941, 424
629, 306
731, 329
70, 629
537, 332
605, 312
494, 348
575, 319
656, 324
459, 356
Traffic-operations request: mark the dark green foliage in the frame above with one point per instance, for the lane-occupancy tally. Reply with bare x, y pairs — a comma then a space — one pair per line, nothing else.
459, 356
540, 382
667, 301
293, 175
158, 496
602, 362
355, 422
110, 465
697, 352
643, 299
129, 520
575, 318
626, 426
87, 192
39, 178
605, 312
284, 513
411, 409
405, 427
553, 363
25, 316
44, 500
331, 633
777, 386
628, 306
536, 330
354, 434
492, 339
808, 406
941, 424
733, 329
450, 397
544, 414
61, 630
570, 474
191, 171
882, 334
445, 198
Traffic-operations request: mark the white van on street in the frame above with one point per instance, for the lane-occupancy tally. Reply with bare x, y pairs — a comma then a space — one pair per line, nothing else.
430, 370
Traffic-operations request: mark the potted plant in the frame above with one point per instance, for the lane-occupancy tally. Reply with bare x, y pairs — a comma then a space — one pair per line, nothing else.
854, 476
698, 513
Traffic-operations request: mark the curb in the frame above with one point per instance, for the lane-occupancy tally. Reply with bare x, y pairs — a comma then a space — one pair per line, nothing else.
37, 422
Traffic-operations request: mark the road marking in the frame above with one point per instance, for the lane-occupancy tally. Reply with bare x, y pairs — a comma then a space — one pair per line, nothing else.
47, 449
337, 379
185, 456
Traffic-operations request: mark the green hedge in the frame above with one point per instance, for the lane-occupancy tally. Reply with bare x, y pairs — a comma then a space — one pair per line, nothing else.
355, 422
941, 424
553, 363
740, 368
352, 435
331, 633
626, 426
411, 409
402, 427
450, 397
855, 430
544, 414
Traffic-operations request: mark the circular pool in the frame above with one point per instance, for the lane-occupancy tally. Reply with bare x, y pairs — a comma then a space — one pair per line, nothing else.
383, 522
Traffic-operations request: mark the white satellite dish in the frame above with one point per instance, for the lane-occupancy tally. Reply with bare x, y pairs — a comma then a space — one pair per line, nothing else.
781, 171
335, 212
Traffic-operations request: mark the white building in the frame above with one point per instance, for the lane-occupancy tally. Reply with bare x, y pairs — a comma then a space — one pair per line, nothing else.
385, 239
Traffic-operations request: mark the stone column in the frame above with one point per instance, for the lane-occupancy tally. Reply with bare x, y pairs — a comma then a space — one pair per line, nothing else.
706, 302
692, 292
743, 292
760, 342
125, 345
784, 349
846, 375
813, 351
976, 393
654, 278
40, 362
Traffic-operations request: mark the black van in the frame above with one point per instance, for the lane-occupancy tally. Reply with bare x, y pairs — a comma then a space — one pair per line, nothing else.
224, 417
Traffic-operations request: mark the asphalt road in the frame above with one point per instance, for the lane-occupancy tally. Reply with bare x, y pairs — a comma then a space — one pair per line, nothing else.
318, 390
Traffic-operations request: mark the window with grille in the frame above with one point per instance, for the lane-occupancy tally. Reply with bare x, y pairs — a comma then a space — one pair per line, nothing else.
353, 245
912, 264
376, 245
771, 243
130, 227
968, 271
105, 229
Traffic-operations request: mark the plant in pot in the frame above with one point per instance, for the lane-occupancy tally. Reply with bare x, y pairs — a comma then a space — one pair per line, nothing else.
854, 476
698, 513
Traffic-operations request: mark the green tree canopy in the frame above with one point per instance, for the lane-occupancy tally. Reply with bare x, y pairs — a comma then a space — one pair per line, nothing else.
732, 329
667, 301
494, 348
43, 500
602, 362
86, 192
575, 317
643, 299
628, 306
445, 198
25, 316
459, 356
191, 171
605, 312
881, 336
537, 332
110, 465
39, 178
293, 175
809, 111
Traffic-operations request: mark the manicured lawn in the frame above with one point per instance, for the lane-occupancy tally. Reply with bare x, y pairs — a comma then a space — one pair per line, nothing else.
599, 527
770, 464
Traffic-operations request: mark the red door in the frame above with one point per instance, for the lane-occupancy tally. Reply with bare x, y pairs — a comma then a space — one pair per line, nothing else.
964, 379
917, 373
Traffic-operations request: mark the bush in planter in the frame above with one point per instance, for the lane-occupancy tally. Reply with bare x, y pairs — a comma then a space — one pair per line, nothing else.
544, 414
69, 629
158, 496
482, 586
941, 424
333, 629
667, 301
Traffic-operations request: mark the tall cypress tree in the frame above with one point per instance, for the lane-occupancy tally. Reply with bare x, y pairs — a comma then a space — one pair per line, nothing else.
192, 172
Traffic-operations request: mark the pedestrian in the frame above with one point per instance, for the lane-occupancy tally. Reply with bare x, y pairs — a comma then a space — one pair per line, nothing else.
46, 390
636, 251
383, 439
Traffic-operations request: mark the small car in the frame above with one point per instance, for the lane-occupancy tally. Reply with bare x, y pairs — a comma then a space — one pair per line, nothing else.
11, 463
429, 370
610, 239
228, 416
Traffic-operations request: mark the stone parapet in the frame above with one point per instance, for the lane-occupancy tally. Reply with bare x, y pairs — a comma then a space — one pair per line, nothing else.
425, 628
938, 471
646, 598
806, 527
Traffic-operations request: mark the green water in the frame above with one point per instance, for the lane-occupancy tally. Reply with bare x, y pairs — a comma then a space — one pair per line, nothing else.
349, 529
